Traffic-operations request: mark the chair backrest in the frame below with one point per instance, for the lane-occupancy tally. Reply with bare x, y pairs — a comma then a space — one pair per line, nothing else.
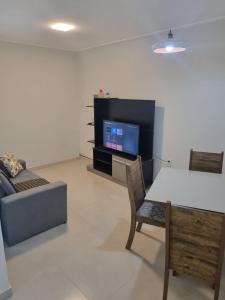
135, 184
206, 161
195, 242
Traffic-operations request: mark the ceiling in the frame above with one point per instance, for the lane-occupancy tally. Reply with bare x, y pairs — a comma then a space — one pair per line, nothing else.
99, 21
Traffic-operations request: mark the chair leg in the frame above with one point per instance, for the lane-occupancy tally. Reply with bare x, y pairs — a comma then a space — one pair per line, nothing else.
132, 233
166, 284
217, 291
139, 226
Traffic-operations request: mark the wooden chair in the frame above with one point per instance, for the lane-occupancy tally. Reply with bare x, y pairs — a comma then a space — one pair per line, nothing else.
206, 161
195, 243
142, 211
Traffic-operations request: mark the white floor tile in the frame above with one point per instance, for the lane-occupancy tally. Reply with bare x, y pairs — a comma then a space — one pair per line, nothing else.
86, 259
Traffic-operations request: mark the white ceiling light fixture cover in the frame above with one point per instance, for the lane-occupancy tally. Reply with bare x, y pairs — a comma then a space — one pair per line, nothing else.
169, 46
62, 27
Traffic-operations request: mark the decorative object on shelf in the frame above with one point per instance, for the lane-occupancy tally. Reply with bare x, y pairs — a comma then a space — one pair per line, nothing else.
168, 46
107, 95
101, 93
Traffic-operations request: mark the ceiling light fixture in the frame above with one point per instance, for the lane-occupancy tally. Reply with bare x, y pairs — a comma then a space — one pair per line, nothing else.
168, 46
62, 27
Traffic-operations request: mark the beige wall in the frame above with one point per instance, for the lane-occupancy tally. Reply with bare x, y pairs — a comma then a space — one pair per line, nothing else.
189, 88
40, 106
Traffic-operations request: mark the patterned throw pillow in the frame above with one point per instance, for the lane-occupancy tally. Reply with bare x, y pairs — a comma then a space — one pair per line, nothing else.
11, 164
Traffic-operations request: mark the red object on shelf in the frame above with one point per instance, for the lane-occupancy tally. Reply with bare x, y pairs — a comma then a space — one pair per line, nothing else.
101, 93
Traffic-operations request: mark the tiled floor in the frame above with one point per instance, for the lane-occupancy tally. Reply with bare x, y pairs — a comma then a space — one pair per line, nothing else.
86, 259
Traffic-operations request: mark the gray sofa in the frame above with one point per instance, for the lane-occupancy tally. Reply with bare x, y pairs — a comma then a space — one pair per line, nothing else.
33, 211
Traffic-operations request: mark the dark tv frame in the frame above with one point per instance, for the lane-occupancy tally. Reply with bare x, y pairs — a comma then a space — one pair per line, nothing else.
118, 151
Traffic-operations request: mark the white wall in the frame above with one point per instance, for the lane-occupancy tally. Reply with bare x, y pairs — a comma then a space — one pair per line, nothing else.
40, 105
41, 91
189, 88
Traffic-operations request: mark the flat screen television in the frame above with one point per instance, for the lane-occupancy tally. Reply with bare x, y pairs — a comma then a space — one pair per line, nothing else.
123, 137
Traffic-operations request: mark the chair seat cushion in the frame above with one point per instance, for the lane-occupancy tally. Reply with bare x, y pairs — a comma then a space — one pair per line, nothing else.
151, 210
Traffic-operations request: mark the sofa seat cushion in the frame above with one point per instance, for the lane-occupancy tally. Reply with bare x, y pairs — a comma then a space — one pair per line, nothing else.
25, 175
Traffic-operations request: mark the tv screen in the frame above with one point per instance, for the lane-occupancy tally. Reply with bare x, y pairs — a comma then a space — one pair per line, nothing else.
123, 137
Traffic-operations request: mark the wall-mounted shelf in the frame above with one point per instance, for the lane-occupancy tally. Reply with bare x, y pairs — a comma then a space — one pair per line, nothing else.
91, 141
92, 124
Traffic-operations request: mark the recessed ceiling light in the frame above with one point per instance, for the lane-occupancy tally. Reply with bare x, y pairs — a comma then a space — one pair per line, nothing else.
62, 26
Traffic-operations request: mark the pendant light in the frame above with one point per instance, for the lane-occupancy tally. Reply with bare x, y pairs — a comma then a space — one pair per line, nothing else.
168, 46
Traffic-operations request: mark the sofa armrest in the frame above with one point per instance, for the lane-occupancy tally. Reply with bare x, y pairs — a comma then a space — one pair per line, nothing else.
28, 213
23, 163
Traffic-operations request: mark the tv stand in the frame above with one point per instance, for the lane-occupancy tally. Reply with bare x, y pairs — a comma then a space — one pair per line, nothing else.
102, 160
112, 163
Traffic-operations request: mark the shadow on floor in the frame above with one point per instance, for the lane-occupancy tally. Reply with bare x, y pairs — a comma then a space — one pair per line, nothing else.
149, 247
35, 242
117, 239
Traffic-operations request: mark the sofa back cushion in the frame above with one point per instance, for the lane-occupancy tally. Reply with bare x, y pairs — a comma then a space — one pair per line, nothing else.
3, 168
6, 185
2, 192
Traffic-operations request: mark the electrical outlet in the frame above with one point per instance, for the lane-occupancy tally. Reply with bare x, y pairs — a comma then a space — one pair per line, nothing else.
169, 164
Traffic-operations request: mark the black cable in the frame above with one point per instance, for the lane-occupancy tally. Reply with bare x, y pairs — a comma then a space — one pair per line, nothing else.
163, 160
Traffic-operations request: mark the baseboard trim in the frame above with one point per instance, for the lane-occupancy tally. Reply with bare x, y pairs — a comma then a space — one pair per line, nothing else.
58, 162
8, 293
84, 156
53, 164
